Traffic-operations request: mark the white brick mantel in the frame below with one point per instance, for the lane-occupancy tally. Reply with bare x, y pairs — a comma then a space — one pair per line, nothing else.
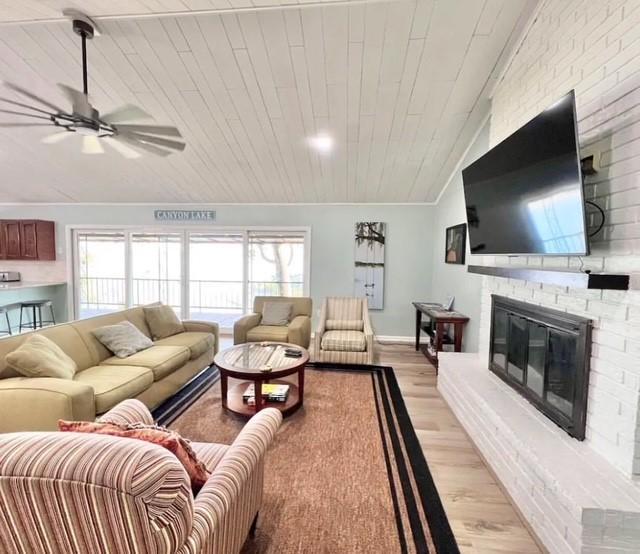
572, 497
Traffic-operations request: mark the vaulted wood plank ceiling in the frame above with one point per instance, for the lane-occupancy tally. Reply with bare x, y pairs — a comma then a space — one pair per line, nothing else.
399, 86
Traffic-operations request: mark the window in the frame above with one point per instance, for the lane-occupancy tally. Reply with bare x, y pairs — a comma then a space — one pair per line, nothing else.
101, 273
202, 275
276, 265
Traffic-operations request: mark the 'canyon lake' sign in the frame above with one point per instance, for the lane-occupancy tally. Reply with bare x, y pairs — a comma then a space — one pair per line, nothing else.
195, 216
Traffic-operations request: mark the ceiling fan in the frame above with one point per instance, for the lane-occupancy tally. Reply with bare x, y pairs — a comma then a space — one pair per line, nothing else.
84, 119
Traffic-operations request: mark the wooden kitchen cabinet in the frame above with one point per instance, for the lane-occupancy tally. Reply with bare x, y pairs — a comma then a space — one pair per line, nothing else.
27, 239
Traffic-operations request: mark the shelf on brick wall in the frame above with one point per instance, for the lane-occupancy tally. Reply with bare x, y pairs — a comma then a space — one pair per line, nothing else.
561, 277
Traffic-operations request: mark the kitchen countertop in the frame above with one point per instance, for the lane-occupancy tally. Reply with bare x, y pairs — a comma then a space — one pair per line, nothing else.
16, 285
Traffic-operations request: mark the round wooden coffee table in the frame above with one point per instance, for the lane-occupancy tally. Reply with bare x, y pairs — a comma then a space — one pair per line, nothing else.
251, 362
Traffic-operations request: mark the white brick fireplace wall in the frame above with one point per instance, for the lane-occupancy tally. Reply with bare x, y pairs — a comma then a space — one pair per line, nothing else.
592, 46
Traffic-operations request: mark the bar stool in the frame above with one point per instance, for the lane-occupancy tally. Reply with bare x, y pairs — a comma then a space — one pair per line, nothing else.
36, 308
4, 311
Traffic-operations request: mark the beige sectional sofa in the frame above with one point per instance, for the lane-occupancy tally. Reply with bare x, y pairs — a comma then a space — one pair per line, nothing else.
102, 380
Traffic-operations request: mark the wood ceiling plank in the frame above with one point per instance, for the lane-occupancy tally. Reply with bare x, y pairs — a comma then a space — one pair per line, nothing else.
314, 53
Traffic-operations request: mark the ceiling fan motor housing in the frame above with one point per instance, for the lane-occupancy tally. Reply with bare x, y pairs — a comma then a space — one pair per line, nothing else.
83, 28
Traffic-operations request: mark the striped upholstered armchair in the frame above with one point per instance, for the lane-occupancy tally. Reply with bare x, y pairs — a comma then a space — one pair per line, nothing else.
344, 333
80, 493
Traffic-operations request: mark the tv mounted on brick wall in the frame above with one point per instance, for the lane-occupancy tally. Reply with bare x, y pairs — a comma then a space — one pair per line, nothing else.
525, 196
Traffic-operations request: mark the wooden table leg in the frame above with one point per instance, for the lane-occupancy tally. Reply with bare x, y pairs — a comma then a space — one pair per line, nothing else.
439, 336
257, 394
301, 384
223, 388
458, 330
418, 325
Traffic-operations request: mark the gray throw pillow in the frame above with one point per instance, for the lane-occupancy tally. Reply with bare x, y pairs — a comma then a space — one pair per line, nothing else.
276, 313
123, 339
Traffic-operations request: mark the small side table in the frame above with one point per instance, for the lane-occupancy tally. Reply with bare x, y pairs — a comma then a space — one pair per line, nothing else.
436, 328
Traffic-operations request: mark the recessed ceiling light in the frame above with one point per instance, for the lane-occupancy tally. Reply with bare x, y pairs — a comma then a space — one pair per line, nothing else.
321, 143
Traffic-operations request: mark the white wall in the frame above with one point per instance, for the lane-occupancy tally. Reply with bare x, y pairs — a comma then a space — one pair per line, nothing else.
408, 248
452, 279
594, 47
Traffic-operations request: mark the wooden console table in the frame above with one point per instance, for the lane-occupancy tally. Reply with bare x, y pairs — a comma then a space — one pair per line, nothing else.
436, 327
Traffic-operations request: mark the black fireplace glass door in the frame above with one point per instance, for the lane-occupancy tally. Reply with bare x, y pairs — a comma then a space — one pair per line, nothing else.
517, 357
561, 370
536, 357
499, 346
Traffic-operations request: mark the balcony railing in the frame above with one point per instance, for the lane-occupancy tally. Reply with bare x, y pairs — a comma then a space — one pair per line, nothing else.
220, 301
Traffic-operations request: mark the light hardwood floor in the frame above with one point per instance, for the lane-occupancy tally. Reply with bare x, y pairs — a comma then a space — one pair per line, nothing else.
481, 516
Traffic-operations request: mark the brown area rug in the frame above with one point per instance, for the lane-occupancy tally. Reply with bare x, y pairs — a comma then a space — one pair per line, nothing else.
345, 473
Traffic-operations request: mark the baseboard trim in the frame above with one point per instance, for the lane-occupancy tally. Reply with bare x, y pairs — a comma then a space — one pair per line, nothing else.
395, 339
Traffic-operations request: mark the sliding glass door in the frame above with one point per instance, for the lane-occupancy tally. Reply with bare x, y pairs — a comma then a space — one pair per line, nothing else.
101, 273
212, 276
216, 277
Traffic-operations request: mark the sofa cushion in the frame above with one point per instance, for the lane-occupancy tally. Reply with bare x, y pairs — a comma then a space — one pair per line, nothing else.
344, 341
112, 384
123, 339
162, 321
344, 325
268, 332
39, 356
197, 342
162, 360
276, 313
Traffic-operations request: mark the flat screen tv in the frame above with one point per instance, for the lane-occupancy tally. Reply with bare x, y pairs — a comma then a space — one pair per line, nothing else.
525, 196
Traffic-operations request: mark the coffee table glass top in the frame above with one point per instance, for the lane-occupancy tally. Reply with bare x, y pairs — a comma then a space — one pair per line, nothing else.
256, 357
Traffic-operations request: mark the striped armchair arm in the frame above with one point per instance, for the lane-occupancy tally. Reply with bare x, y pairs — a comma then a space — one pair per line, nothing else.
322, 323
128, 411
229, 501
368, 331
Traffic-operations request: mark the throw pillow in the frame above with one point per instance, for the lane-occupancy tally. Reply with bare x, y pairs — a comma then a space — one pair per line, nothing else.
123, 339
276, 313
172, 441
344, 325
39, 356
162, 321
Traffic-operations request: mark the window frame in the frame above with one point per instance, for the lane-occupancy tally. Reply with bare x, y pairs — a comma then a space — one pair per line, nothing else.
72, 232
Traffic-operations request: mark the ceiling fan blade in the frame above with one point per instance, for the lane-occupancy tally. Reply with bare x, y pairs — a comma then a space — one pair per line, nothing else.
142, 146
127, 112
150, 129
23, 125
79, 100
148, 139
12, 112
25, 106
122, 148
56, 137
28, 94
91, 145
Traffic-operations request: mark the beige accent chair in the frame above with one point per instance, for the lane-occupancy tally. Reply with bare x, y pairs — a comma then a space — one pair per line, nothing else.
74, 492
344, 334
249, 329
102, 380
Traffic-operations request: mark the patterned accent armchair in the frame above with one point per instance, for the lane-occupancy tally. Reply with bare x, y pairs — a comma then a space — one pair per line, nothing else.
250, 329
67, 493
344, 334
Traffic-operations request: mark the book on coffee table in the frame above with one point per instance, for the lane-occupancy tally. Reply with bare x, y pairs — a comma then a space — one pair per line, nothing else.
270, 393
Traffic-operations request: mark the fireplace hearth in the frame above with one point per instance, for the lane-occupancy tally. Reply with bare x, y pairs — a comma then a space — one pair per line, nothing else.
544, 355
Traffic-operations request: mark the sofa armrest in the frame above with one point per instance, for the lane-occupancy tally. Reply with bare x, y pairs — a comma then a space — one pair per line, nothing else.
322, 322
205, 327
243, 326
300, 330
36, 404
228, 502
128, 411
